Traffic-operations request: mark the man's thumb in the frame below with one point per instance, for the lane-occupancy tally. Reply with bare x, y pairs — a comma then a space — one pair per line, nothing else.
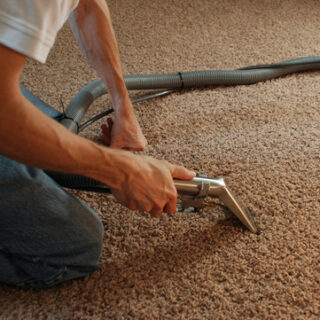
182, 173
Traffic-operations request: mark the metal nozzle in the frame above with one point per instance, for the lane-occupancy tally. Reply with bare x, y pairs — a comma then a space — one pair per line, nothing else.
193, 194
238, 209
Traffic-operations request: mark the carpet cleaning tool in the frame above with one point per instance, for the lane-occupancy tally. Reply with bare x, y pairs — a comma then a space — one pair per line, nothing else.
193, 194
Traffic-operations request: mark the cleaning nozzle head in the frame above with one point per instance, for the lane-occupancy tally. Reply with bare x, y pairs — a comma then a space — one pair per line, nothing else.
194, 192
239, 210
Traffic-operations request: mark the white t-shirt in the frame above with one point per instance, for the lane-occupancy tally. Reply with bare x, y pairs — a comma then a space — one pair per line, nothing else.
30, 26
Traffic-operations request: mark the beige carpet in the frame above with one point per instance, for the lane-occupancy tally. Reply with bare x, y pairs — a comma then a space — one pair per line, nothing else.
264, 139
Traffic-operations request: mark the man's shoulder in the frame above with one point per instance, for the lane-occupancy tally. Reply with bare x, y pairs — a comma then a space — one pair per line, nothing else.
30, 26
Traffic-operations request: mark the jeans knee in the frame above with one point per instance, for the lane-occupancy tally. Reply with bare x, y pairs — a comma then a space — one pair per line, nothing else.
96, 240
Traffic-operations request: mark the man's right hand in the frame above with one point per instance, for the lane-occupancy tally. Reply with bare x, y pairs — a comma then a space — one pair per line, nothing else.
149, 185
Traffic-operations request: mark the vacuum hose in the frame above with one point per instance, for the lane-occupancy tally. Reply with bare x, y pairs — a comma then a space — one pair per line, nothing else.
248, 75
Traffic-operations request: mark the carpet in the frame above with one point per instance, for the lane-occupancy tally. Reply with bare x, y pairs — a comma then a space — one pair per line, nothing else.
264, 139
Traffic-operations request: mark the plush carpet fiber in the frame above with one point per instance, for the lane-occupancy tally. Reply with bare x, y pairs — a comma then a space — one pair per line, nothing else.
264, 139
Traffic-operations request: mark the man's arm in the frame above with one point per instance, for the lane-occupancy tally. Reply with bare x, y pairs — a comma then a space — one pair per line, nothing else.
91, 25
29, 136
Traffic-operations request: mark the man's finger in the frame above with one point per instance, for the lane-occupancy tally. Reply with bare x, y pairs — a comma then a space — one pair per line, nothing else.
110, 123
104, 128
182, 173
171, 207
156, 212
105, 135
105, 139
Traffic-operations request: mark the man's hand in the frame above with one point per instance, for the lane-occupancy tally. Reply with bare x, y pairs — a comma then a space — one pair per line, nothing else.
123, 134
149, 185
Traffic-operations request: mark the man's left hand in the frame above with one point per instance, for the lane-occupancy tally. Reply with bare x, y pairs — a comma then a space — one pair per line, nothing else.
123, 134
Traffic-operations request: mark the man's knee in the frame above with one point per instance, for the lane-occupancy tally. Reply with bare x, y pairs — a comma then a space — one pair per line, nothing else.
74, 260
47, 235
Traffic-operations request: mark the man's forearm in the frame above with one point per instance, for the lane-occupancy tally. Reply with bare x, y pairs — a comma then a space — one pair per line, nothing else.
92, 27
29, 136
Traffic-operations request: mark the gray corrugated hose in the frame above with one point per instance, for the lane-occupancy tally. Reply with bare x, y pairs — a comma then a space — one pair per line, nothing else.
249, 75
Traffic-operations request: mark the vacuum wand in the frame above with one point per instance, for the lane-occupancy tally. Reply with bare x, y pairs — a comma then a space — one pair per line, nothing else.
194, 194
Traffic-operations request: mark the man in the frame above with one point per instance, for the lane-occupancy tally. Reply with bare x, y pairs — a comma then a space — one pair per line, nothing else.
46, 235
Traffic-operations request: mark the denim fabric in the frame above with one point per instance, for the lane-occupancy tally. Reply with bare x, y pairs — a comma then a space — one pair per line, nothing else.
47, 235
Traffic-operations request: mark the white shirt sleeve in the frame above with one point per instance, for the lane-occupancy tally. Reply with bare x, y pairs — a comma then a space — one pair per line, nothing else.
30, 26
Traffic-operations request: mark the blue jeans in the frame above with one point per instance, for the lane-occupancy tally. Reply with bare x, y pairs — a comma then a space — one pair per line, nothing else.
47, 236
